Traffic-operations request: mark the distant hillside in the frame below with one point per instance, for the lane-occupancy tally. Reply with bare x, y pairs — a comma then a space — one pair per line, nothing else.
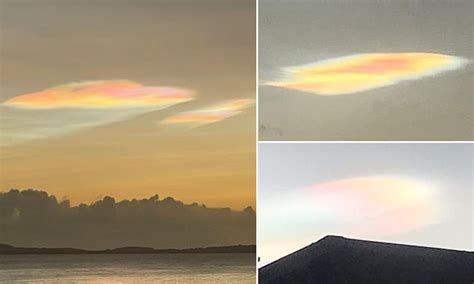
341, 260
7, 249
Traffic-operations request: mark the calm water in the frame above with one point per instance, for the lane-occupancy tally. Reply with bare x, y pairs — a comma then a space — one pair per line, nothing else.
128, 268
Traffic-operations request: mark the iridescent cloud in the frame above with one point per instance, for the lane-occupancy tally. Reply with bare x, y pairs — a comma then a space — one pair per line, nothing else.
370, 197
362, 72
369, 207
72, 107
101, 94
210, 114
361, 201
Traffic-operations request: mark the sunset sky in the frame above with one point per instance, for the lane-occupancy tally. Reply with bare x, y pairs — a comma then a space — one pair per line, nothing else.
87, 89
418, 194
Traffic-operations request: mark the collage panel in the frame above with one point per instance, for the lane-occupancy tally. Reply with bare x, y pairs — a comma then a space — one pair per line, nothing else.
127, 141
366, 70
365, 213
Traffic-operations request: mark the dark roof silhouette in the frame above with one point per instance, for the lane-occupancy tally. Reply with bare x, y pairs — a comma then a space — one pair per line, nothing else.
335, 259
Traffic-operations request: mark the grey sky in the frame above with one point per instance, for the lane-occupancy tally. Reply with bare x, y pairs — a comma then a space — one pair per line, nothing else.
175, 43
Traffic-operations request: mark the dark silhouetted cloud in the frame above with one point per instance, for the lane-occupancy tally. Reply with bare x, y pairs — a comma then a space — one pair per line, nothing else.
35, 218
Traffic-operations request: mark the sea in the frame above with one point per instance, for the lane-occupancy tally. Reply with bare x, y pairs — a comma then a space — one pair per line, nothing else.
128, 268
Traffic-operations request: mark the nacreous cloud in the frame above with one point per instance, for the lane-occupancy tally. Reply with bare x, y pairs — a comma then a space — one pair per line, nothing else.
101, 94
362, 72
211, 114
68, 108
366, 207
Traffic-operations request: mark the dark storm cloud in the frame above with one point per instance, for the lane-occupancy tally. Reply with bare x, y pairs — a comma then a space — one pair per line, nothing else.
34, 218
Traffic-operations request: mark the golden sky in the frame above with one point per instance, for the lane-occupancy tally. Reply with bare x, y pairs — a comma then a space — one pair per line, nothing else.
204, 53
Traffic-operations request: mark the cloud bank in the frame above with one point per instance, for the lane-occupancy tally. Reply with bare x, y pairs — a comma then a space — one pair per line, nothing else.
36, 219
362, 72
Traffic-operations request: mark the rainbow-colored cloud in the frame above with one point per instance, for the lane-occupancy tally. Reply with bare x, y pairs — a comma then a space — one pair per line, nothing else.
362, 72
375, 196
367, 207
101, 94
361, 206
211, 114
72, 107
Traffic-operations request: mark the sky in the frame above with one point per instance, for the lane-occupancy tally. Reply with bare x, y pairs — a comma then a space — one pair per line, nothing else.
410, 193
129, 99
366, 70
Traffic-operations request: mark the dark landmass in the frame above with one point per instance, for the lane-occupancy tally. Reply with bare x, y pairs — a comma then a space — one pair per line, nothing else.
340, 260
7, 249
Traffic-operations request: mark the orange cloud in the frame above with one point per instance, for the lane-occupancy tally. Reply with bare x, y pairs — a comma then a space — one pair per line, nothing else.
371, 196
101, 94
72, 107
211, 114
362, 72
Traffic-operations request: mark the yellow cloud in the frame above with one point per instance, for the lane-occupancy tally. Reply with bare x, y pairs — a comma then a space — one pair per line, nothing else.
101, 94
362, 72
211, 114
73, 107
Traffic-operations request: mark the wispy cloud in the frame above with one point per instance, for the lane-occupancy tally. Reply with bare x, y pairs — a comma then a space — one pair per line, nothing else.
210, 114
68, 108
101, 94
